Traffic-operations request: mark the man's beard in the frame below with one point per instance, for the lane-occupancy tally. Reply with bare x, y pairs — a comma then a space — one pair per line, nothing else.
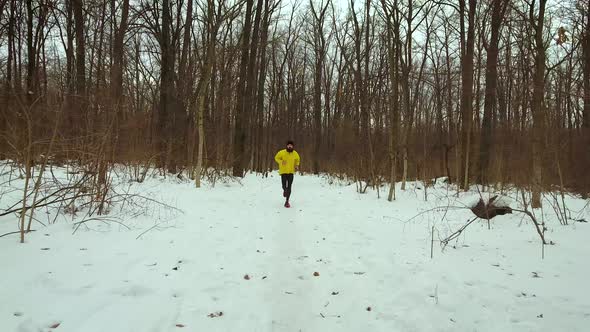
289, 149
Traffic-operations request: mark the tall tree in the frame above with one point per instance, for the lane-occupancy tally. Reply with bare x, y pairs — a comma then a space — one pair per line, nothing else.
392, 27
242, 112
498, 11
537, 102
80, 54
118, 64
467, 88
586, 116
167, 92
586, 121
320, 50
31, 53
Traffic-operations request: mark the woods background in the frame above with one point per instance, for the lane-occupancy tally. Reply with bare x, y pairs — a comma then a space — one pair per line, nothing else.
491, 92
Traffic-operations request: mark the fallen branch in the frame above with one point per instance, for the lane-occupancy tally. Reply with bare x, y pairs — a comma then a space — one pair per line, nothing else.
456, 234
147, 230
16, 232
446, 208
103, 219
540, 228
128, 198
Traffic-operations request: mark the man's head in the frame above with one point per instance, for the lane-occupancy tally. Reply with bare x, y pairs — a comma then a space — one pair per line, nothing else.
290, 146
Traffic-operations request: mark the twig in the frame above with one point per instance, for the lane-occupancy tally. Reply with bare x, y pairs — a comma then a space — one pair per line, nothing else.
103, 219
12, 208
147, 230
457, 233
432, 243
129, 196
438, 208
42, 205
17, 232
535, 222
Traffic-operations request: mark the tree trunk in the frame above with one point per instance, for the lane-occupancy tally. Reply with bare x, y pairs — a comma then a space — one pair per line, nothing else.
537, 104
394, 98
9, 86
262, 157
467, 93
31, 55
117, 69
202, 87
165, 123
498, 10
250, 97
449, 142
11, 52
586, 116
80, 58
320, 53
242, 113
406, 69
586, 121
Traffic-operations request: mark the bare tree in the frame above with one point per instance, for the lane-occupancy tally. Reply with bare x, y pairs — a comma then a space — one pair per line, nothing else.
537, 104
318, 42
392, 26
242, 112
467, 54
498, 11
389, 90
586, 120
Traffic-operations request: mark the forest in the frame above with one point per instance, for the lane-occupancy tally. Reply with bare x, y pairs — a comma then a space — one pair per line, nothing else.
493, 92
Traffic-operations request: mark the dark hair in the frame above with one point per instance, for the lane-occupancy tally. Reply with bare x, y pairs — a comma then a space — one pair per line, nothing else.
290, 142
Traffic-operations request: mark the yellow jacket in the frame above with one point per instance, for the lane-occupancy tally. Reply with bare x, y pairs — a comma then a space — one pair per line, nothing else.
287, 161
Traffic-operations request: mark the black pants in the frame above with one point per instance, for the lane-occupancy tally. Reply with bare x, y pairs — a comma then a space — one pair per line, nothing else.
287, 182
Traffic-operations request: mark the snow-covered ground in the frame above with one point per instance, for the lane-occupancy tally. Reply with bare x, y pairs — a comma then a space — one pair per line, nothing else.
235, 259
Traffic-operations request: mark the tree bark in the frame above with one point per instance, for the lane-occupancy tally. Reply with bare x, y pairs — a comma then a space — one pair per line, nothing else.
31, 55
319, 44
392, 50
80, 53
242, 113
117, 69
165, 121
586, 116
498, 9
202, 87
467, 93
586, 119
537, 104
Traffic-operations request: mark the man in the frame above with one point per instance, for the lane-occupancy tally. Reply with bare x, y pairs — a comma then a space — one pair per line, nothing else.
288, 160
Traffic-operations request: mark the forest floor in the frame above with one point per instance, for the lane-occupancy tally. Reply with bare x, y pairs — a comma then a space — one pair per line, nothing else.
230, 257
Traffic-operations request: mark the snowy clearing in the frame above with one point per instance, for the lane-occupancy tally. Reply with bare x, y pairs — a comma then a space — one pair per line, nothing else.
235, 259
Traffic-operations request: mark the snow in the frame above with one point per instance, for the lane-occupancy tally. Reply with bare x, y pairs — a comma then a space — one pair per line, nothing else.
185, 270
